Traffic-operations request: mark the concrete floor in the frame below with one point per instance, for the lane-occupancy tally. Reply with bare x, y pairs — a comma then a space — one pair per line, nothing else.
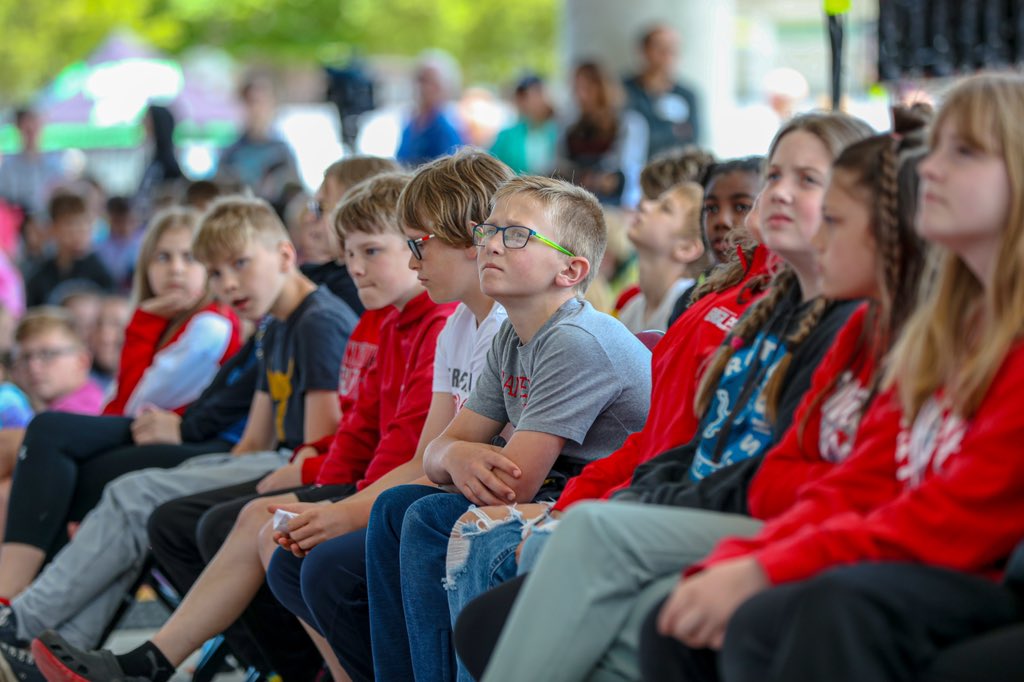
139, 625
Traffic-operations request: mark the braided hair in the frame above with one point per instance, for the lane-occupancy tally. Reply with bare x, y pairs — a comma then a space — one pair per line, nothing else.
835, 131
885, 168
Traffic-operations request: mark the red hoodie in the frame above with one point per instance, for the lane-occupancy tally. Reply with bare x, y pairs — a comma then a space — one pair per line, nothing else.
142, 343
676, 367
943, 491
383, 428
360, 352
823, 430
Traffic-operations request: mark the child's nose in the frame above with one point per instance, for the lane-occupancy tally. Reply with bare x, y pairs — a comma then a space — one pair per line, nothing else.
495, 243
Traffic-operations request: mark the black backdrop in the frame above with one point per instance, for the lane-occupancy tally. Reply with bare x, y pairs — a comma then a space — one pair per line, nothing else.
946, 37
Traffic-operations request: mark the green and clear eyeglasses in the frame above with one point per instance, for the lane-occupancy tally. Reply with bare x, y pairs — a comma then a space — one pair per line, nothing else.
514, 237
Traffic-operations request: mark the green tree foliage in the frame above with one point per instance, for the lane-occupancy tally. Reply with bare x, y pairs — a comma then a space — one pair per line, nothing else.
492, 39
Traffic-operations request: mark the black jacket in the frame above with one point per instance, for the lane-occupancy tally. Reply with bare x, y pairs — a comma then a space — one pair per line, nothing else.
665, 478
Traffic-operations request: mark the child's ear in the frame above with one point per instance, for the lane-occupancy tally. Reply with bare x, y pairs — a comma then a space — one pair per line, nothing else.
286, 251
472, 251
575, 271
688, 250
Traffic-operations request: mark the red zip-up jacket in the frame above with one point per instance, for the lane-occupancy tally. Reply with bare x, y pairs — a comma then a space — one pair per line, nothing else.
360, 352
677, 363
943, 491
142, 344
823, 430
383, 428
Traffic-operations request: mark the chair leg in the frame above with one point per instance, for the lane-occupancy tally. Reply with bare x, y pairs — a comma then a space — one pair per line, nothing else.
211, 659
127, 600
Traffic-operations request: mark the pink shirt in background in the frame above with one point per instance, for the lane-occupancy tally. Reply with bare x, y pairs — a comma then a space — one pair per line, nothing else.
86, 400
12, 290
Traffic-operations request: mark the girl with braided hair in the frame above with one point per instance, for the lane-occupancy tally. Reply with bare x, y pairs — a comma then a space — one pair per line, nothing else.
577, 584
897, 553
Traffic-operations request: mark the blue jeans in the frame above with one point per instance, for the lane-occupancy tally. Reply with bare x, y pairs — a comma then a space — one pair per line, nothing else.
481, 556
406, 546
327, 590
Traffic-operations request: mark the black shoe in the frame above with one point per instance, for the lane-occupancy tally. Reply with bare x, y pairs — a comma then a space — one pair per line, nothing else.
61, 662
9, 628
17, 665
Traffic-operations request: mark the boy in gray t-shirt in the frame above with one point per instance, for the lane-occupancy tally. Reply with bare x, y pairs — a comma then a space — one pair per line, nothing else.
573, 383
583, 377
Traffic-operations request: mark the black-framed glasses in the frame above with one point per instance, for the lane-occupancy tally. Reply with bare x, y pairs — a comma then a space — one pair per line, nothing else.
415, 244
316, 208
514, 237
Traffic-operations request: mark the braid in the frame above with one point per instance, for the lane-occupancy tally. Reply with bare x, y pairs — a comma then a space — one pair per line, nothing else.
888, 216
743, 333
808, 322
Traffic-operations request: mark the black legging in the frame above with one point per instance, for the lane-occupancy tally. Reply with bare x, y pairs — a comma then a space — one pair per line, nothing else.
187, 532
480, 624
65, 462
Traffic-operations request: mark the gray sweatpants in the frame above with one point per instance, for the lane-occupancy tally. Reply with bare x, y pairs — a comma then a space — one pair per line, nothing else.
79, 591
604, 567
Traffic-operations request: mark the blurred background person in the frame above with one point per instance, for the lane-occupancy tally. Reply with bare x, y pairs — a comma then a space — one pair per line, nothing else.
74, 258
258, 149
107, 339
528, 146
119, 250
28, 177
669, 108
432, 132
201, 193
162, 168
605, 148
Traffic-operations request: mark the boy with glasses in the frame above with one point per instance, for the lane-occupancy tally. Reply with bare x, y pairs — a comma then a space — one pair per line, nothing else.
51, 364
572, 382
375, 447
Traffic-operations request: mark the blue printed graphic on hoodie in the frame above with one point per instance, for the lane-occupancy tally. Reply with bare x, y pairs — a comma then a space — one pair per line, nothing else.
750, 432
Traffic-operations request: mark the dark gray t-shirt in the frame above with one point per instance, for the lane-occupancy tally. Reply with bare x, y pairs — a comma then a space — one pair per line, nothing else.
300, 354
583, 377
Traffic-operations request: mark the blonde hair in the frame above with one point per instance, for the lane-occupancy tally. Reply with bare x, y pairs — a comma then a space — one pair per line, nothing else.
681, 164
835, 130
447, 194
352, 170
575, 217
371, 207
693, 195
961, 332
232, 223
164, 221
43, 319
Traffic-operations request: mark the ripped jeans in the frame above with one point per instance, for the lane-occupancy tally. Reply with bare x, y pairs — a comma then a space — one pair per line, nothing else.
481, 555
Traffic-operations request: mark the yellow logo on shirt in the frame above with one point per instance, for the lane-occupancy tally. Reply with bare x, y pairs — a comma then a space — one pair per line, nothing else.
280, 384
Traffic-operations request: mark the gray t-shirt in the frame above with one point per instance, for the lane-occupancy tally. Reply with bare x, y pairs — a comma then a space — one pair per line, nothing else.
583, 377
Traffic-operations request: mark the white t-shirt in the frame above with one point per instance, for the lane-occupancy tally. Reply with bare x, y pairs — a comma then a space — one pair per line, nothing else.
632, 314
462, 348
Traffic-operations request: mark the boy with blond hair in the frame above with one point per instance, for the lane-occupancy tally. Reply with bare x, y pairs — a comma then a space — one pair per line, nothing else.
251, 265
549, 373
380, 422
666, 234
52, 363
435, 242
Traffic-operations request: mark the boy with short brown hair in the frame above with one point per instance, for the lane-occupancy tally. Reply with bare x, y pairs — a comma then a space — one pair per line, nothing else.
74, 257
251, 264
